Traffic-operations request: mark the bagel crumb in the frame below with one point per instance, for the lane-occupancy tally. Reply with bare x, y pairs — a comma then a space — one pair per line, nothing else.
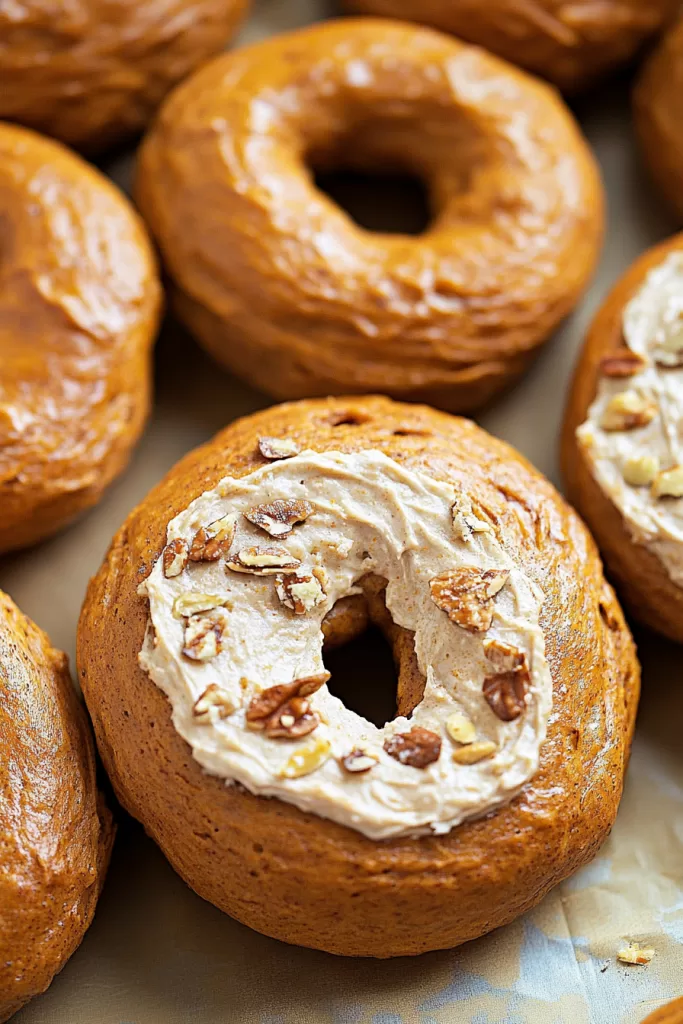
633, 954
466, 595
357, 762
263, 561
306, 759
280, 516
460, 728
668, 483
277, 448
417, 748
175, 558
472, 753
213, 703
627, 411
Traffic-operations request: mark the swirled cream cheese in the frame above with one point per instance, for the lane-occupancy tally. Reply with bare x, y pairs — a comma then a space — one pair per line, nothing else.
633, 434
220, 638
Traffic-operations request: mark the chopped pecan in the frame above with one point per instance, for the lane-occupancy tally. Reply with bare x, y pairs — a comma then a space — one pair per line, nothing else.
193, 602
306, 759
213, 703
474, 752
668, 483
505, 657
211, 542
277, 448
627, 411
280, 516
640, 470
204, 634
622, 363
299, 592
357, 762
465, 522
466, 595
461, 728
417, 748
174, 558
505, 693
292, 720
265, 710
263, 561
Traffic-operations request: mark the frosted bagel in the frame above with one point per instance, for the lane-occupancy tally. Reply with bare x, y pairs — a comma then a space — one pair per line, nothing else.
622, 448
221, 593
284, 289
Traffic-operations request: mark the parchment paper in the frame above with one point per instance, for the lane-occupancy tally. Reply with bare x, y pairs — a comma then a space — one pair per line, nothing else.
157, 954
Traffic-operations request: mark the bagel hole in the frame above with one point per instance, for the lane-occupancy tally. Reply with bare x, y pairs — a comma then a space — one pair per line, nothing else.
364, 677
377, 201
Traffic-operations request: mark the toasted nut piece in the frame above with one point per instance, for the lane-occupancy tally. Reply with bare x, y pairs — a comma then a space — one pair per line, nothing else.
192, 603
628, 410
279, 516
623, 363
306, 759
292, 720
668, 353
668, 483
213, 703
417, 748
460, 728
640, 470
299, 592
271, 700
633, 954
357, 762
174, 558
204, 635
505, 693
466, 595
214, 540
474, 752
505, 657
277, 448
465, 522
263, 561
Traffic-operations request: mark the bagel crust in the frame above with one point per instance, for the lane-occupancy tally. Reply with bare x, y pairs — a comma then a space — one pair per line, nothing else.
641, 577
672, 1013
569, 42
55, 831
657, 113
308, 880
92, 72
280, 285
79, 307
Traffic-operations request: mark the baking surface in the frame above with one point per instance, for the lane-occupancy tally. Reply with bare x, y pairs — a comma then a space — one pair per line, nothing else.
157, 954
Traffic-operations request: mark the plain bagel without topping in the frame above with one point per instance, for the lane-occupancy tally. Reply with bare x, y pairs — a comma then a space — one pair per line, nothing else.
92, 72
284, 289
55, 832
570, 42
621, 447
296, 874
79, 307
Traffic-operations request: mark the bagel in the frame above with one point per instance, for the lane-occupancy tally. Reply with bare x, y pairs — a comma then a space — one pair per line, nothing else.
341, 835
92, 72
657, 115
672, 1013
79, 306
621, 438
55, 831
282, 288
569, 42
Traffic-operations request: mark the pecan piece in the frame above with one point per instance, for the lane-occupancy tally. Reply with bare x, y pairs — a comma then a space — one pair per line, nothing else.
505, 693
204, 634
417, 748
640, 470
505, 657
465, 522
280, 516
214, 540
466, 595
194, 602
357, 762
174, 558
266, 709
292, 720
263, 561
623, 363
627, 411
277, 448
668, 483
299, 592
214, 702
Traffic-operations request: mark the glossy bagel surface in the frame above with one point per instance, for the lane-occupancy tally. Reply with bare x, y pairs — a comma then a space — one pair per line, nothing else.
283, 288
302, 878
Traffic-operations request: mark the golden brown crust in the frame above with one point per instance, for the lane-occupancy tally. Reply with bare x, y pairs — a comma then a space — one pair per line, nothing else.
642, 581
570, 42
672, 1013
658, 113
92, 72
79, 307
55, 831
310, 881
284, 289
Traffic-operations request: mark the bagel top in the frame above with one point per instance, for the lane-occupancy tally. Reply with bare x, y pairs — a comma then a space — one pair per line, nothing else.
303, 877
283, 287
55, 832
622, 443
79, 305
90, 72
570, 42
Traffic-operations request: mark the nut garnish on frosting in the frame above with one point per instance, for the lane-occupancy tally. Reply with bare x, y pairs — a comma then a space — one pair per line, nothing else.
633, 435
277, 448
235, 642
